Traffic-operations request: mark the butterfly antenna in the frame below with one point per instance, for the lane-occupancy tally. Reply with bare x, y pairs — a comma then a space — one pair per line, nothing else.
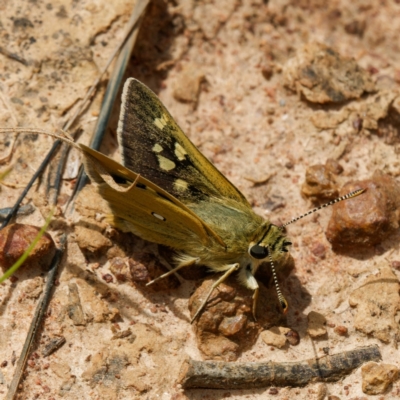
284, 304
341, 198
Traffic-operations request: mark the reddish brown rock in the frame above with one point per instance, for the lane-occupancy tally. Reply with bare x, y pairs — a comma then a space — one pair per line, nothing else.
368, 219
320, 183
16, 238
226, 327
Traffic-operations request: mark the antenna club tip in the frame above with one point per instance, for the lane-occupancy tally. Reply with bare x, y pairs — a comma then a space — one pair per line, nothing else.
284, 306
358, 192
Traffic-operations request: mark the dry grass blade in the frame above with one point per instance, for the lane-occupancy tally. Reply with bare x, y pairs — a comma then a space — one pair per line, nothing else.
36, 322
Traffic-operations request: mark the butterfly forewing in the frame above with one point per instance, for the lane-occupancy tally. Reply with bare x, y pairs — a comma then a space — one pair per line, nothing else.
153, 145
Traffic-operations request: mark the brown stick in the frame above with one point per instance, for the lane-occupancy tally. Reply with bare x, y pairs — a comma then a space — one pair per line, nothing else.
230, 375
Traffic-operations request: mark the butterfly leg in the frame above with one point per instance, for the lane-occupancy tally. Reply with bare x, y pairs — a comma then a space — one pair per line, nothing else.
184, 263
232, 268
255, 298
247, 279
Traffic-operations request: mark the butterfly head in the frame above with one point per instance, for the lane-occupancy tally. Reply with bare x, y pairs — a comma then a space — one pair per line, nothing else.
269, 243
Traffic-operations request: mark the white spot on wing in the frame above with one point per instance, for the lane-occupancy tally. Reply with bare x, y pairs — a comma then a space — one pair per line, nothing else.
165, 163
180, 185
180, 152
157, 148
158, 216
160, 122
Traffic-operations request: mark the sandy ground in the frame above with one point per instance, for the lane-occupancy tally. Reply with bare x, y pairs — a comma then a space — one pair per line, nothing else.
247, 121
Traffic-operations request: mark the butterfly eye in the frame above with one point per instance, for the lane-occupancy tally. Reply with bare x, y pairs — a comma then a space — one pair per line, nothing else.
258, 252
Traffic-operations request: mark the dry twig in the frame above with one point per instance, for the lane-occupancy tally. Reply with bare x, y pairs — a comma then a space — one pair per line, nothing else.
231, 375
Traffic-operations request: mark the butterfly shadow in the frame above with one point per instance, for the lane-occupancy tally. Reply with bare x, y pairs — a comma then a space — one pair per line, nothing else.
157, 260
296, 294
133, 263
139, 262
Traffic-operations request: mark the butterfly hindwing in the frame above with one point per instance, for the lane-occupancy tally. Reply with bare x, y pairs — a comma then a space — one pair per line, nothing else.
153, 145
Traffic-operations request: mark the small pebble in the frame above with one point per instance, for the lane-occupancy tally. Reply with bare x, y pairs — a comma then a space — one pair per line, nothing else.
316, 324
293, 337
273, 390
341, 330
320, 184
376, 378
396, 265
108, 278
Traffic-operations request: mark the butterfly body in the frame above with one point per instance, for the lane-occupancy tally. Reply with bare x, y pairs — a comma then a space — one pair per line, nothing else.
239, 227
229, 219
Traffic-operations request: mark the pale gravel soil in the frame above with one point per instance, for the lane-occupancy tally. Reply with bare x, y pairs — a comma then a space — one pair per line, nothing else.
246, 124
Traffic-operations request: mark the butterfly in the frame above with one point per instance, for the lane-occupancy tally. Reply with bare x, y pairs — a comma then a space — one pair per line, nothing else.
168, 192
